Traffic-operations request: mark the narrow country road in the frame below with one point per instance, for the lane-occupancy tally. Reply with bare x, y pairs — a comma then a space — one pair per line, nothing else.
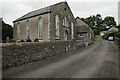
98, 60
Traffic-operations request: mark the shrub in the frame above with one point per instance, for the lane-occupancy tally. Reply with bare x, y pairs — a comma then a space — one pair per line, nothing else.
96, 32
22, 40
28, 40
112, 33
36, 40
117, 34
105, 36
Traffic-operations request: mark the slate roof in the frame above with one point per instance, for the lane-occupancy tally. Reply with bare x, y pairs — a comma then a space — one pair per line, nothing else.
37, 12
80, 22
81, 26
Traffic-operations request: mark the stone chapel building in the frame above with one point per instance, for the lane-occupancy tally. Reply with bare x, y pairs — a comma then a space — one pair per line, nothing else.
55, 22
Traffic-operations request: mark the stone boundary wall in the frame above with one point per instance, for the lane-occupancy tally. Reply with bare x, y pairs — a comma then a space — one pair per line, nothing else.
117, 43
16, 54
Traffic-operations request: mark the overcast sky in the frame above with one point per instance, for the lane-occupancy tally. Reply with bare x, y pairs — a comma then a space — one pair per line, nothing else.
13, 9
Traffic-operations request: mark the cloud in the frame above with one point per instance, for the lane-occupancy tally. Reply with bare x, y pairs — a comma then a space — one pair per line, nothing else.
13, 9
59, 0
119, 12
0, 10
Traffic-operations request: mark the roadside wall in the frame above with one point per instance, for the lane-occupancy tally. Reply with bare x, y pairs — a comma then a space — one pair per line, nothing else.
117, 43
15, 54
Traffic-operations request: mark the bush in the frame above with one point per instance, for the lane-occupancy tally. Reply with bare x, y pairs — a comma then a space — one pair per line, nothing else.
112, 33
105, 36
36, 40
28, 40
117, 34
22, 40
97, 32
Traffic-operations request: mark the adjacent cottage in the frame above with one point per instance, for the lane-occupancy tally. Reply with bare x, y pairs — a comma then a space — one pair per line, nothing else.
83, 31
55, 22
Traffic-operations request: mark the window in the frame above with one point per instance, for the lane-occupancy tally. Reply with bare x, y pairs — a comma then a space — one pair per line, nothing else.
27, 29
57, 27
65, 9
66, 22
40, 28
72, 30
18, 31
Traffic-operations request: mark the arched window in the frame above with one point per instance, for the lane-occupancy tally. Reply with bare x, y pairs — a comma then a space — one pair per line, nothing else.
72, 30
66, 22
18, 31
57, 27
27, 29
40, 27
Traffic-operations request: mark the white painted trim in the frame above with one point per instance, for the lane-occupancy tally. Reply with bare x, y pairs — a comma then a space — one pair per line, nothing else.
57, 26
40, 25
18, 31
72, 30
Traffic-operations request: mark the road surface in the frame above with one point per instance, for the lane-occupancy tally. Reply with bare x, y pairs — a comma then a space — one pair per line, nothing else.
98, 60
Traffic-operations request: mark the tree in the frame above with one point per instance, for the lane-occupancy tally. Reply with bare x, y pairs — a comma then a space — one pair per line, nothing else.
0, 29
118, 27
7, 31
109, 22
97, 23
90, 21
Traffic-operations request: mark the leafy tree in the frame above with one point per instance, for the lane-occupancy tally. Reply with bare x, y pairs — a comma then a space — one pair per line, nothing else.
83, 19
109, 21
98, 24
7, 31
118, 27
117, 34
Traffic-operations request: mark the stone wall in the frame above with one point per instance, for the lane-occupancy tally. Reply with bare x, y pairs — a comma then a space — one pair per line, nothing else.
117, 43
16, 54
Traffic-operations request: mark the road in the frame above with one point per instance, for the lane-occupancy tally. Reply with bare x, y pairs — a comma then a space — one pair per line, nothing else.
98, 60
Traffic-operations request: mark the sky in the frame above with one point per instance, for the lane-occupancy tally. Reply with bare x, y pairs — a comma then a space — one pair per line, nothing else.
10, 10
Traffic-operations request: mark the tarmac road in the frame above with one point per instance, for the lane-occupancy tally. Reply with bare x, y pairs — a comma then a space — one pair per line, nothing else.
98, 60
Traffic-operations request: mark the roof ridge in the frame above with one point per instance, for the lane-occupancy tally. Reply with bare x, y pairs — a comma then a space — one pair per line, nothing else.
38, 11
